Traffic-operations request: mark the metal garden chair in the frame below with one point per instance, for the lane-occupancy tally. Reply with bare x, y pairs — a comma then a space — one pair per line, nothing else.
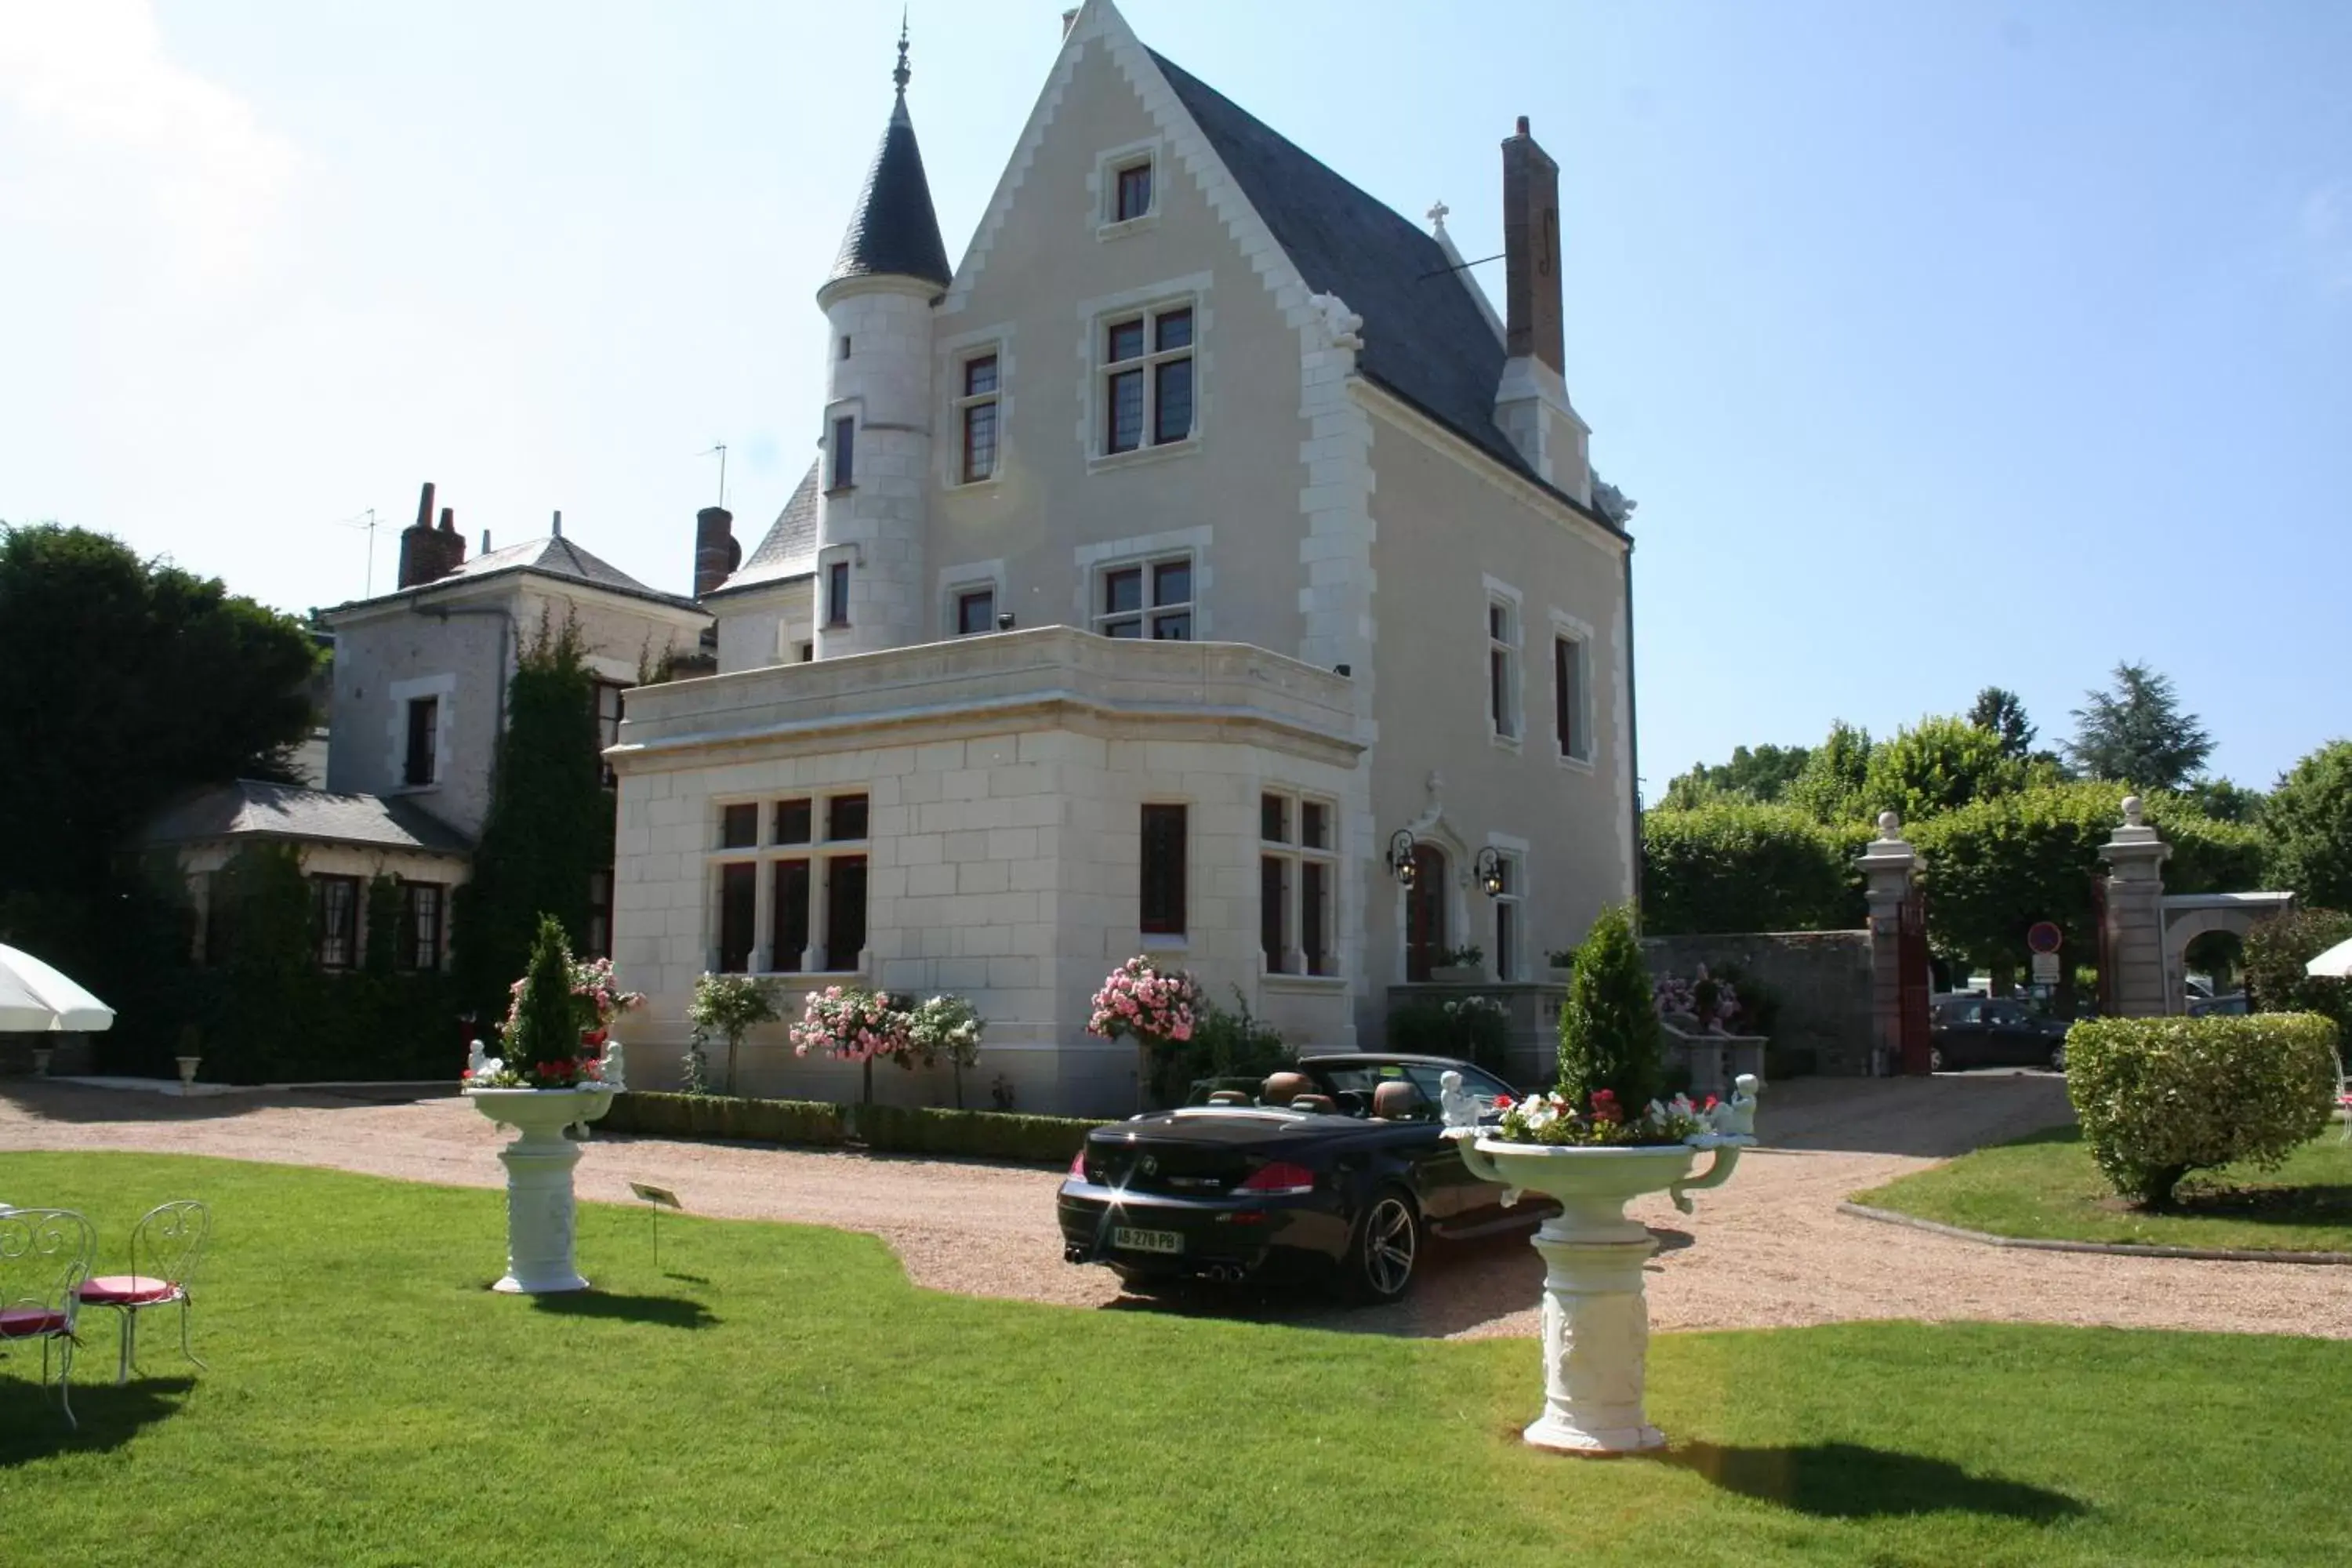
165, 1247
44, 1258
2343, 1100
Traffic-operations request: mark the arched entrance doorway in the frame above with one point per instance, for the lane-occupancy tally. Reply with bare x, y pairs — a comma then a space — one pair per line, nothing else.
1424, 912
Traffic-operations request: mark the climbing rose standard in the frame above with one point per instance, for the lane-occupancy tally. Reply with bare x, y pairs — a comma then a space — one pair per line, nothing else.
853, 1024
1140, 1002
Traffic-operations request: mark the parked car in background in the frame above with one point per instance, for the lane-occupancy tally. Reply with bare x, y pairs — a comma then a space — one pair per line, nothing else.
2229, 1004
1971, 1031
1333, 1170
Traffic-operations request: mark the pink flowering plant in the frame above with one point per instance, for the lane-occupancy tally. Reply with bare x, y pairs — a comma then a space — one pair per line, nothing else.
554, 1032
856, 1025
1712, 1001
1140, 1002
597, 998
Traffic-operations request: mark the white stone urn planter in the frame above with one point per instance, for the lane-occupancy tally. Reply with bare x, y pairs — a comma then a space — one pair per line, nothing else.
1596, 1320
41, 1055
188, 1066
539, 1180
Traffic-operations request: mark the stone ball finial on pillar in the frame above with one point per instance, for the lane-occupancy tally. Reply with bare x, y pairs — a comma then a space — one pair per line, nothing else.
1890, 826
2134, 809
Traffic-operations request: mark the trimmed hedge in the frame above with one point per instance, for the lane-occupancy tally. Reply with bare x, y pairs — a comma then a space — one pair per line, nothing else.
2159, 1098
806, 1121
976, 1134
884, 1129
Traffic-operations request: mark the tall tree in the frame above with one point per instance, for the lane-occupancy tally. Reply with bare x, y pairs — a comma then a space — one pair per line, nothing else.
1829, 788
123, 683
2137, 733
2307, 822
550, 825
1761, 775
1939, 765
2002, 711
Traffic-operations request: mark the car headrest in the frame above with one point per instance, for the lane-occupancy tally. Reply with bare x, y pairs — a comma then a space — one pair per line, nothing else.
1284, 1087
1395, 1100
1228, 1097
1323, 1104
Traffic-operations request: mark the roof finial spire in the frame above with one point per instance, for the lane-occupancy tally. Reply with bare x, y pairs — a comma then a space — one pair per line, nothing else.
902, 73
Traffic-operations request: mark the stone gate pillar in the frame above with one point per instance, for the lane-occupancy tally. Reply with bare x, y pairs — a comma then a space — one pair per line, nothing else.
2132, 945
1888, 866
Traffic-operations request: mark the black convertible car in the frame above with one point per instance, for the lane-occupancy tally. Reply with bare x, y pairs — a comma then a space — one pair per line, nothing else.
1333, 1169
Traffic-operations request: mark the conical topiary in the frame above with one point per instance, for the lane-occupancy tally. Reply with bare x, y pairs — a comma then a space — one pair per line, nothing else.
546, 1027
1608, 1035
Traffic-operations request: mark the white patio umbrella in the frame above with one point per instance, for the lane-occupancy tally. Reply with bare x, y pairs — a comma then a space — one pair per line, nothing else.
37, 999
2335, 963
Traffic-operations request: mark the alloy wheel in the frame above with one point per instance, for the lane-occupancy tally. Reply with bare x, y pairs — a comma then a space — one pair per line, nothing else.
1390, 1247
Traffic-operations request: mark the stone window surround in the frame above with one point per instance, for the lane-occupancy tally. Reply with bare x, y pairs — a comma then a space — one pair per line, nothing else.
443, 688
1514, 850
1095, 317
854, 410
1093, 560
955, 353
1566, 628
764, 854
1514, 674
1102, 188
954, 582
1294, 853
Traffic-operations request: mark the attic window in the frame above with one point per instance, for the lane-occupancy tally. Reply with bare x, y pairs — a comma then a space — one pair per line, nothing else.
1131, 194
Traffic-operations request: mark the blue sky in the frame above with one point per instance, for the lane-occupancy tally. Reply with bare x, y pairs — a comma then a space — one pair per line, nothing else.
1942, 345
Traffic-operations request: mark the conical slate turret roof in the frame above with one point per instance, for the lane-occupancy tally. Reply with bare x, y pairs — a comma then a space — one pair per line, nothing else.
894, 232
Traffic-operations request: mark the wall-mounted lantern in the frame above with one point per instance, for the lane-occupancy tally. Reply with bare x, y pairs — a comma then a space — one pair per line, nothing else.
1488, 871
1401, 860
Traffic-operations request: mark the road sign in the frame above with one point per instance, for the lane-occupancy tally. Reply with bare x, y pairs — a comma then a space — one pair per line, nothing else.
2045, 968
2042, 936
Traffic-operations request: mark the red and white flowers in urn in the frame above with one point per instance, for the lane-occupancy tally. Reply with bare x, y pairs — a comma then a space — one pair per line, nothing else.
1139, 1001
597, 999
554, 1032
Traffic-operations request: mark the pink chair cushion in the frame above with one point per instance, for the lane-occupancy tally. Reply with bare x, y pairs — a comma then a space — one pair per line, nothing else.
127, 1290
30, 1322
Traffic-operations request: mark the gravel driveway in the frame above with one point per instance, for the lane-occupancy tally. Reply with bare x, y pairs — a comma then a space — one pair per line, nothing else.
1768, 1250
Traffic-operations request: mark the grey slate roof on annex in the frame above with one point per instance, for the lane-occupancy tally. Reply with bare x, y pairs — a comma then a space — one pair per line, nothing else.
1425, 339
553, 556
791, 539
251, 809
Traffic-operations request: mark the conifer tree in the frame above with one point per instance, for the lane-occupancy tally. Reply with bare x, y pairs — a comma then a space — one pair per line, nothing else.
1608, 1035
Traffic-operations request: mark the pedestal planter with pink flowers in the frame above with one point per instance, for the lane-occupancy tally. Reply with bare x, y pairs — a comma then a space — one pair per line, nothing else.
558, 1069
1154, 1007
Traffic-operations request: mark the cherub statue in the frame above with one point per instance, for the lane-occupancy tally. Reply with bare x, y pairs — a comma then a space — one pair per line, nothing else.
1736, 1117
477, 1061
614, 1067
1456, 1105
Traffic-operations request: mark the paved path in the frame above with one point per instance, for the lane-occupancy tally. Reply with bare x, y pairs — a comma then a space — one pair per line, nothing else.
1768, 1250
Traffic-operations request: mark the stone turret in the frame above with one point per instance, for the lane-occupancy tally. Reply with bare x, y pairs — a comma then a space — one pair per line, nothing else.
876, 440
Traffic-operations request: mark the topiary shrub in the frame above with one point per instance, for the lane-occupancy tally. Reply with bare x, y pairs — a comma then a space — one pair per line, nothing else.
1609, 1035
2159, 1098
2277, 951
816, 1123
971, 1134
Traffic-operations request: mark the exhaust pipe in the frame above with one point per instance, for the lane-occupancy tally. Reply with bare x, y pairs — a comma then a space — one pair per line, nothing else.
1072, 1253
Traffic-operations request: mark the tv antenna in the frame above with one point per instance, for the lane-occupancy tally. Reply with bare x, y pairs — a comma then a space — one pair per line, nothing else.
367, 523
721, 450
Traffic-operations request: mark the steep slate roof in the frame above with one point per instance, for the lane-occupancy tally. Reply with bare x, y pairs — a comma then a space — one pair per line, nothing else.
251, 809
1425, 339
790, 541
553, 556
894, 230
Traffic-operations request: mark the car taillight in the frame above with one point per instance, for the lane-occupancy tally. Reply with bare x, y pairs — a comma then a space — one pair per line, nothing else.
1078, 1165
1279, 1180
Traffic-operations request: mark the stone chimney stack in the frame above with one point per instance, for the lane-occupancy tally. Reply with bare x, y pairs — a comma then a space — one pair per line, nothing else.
717, 551
1531, 251
426, 554
1531, 403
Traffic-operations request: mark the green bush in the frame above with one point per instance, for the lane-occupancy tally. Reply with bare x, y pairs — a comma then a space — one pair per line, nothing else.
1608, 1034
1238, 1044
973, 1134
805, 1121
1467, 1028
1736, 866
2276, 952
2159, 1098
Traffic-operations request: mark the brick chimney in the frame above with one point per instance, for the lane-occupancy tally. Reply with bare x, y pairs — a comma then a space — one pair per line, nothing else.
1531, 251
428, 554
717, 552
1531, 403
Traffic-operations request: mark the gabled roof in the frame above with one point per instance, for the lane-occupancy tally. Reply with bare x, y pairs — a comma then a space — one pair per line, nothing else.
785, 552
249, 808
1425, 338
553, 556
894, 230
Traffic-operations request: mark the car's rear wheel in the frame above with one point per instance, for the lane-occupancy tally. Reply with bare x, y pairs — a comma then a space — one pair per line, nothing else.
1385, 1252
2058, 1056
1934, 1059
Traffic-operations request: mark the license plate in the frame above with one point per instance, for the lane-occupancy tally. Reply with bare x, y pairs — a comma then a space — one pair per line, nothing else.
1135, 1240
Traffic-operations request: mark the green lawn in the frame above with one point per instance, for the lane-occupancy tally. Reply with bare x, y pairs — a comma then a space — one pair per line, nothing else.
2047, 1185
782, 1394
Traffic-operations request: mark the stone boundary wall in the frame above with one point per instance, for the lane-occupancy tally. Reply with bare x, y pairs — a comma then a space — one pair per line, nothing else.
1822, 977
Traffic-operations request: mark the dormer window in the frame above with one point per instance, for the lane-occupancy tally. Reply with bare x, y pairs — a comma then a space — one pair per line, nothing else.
1132, 196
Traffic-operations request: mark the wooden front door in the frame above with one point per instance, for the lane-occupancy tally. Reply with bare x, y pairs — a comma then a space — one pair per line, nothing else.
1424, 912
